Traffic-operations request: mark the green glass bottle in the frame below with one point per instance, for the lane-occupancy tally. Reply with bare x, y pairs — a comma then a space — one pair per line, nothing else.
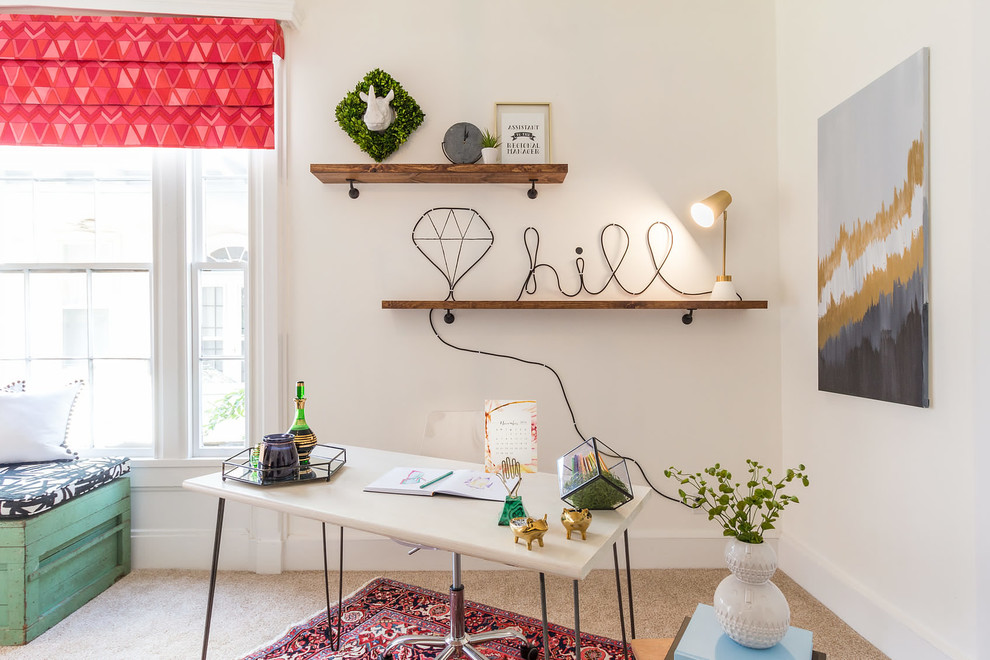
305, 439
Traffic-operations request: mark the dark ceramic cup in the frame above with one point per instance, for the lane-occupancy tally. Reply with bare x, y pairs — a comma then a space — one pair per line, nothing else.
279, 457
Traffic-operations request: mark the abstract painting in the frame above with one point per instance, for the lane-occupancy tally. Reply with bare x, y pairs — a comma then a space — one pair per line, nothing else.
873, 236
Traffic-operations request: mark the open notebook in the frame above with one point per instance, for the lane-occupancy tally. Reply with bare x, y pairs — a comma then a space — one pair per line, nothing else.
462, 483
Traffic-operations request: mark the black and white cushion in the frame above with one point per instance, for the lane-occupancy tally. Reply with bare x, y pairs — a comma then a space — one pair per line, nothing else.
32, 488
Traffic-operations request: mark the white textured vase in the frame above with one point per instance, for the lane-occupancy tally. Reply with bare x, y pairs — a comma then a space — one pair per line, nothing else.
751, 610
489, 155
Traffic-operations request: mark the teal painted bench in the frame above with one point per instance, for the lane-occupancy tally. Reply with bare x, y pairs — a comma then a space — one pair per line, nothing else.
65, 536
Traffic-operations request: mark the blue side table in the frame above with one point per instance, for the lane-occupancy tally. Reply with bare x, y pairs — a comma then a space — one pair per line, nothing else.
701, 638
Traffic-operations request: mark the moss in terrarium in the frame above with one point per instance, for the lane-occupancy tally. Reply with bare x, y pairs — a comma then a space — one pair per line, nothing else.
606, 491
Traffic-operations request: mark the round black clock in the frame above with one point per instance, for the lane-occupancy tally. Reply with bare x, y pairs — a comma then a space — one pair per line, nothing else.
462, 143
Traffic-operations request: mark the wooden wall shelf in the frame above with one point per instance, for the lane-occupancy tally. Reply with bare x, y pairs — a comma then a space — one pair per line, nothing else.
688, 305
574, 304
439, 173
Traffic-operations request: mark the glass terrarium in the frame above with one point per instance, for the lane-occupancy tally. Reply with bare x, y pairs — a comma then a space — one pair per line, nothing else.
592, 480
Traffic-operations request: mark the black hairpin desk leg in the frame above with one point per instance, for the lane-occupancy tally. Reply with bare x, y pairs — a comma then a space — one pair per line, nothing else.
213, 575
632, 617
577, 619
577, 605
543, 605
334, 638
577, 622
618, 589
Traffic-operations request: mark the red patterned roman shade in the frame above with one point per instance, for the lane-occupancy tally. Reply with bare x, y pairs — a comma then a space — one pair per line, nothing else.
108, 81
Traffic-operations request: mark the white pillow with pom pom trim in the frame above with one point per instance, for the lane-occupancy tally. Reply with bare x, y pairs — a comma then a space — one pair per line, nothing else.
34, 425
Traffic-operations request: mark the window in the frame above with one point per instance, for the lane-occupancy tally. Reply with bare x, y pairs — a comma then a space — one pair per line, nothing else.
109, 258
219, 278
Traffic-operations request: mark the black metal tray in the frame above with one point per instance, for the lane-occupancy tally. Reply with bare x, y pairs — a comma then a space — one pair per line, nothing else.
238, 468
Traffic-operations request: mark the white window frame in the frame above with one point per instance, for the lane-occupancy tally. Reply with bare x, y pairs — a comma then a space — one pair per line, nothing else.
177, 387
198, 261
174, 306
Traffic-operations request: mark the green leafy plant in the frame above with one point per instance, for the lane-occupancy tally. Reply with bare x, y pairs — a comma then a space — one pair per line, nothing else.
744, 512
489, 140
379, 144
231, 406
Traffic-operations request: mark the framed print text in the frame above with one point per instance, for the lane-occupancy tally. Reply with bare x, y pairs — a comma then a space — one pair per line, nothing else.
524, 129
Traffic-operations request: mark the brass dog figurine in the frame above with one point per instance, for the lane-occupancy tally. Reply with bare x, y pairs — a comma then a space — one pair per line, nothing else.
576, 520
529, 530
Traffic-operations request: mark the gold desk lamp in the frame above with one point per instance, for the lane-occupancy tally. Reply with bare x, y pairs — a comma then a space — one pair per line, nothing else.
704, 213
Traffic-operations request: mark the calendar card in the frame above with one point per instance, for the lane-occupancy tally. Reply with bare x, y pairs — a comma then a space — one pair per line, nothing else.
510, 434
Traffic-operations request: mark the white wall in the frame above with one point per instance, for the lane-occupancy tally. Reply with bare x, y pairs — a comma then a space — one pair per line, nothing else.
728, 94
981, 389
885, 535
654, 107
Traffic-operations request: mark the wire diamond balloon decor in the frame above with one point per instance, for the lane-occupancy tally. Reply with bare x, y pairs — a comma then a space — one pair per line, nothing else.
454, 240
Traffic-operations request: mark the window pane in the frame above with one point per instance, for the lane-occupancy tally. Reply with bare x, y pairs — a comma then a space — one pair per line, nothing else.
75, 205
122, 404
12, 325
222, 402
221, 337
225, 204
221, 311
123, 224
64, 221
58, 317
211, 316
16, 213
122, 314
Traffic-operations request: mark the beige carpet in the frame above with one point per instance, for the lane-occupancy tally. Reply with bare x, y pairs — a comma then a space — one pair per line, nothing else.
160, 614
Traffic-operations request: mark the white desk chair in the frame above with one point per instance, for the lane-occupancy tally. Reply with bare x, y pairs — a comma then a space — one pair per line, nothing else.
460, 436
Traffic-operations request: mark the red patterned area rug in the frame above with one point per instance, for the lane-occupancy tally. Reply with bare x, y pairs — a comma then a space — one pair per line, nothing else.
384, 609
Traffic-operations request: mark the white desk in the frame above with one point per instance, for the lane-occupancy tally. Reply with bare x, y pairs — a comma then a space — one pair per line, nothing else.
461, 525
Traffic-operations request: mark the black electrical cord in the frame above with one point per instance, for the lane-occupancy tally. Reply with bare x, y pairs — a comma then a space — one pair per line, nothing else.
611, 452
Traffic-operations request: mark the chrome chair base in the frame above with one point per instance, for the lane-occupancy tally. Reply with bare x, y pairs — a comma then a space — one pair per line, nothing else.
453, 648
457, 643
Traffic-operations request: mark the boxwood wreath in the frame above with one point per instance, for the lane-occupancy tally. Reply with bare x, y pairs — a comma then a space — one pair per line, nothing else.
350, 115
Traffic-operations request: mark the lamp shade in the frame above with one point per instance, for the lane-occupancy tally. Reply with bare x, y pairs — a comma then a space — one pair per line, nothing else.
705, 211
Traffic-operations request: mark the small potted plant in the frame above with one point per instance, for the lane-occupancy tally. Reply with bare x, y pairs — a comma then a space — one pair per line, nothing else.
744, 514
751, 610
489, 147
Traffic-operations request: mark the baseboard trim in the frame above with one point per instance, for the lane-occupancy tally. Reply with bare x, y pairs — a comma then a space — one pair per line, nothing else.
189, 549
878, 620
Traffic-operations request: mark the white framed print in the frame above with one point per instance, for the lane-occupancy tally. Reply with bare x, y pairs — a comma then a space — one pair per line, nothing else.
524, 129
